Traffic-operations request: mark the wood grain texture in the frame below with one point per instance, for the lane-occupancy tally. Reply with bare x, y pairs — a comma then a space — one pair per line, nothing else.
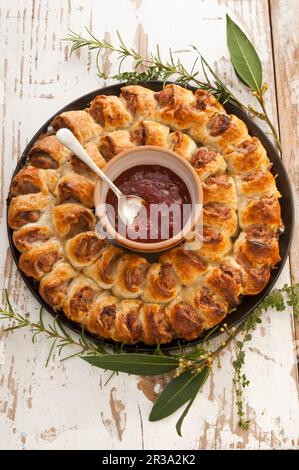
67, 405
286, 56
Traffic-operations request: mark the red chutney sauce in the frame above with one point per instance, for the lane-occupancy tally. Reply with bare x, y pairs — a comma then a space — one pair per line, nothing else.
167, 203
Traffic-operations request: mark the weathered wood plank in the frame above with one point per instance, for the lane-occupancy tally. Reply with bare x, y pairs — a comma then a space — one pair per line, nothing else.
284, 15
67, 405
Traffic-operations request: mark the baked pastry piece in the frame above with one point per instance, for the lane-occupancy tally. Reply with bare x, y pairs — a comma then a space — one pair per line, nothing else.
28, 208
31, 180
220, 188
150, 133
265, 211
70, 219
182, 144
110, 113
187, 265
48, 153
208, 162
175, 107
75, 188
139, 101
92, 148
121, 295
54, 286
40, 259
83, 249
102, 271
220, 216
216, 244
80, 123
82, 294
31, 234
162, 284
247, 155
115, 142
129, 276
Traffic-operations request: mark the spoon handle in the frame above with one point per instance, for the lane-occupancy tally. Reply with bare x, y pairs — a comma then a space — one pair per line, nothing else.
67, 138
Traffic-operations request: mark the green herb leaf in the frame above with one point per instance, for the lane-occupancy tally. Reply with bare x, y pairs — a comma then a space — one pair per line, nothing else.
178, 392
243, 55
139, 364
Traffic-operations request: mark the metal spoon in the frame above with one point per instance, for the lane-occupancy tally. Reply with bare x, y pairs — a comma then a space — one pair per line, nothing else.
128, 206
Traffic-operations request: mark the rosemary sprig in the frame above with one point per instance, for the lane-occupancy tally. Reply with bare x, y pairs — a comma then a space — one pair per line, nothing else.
144, 69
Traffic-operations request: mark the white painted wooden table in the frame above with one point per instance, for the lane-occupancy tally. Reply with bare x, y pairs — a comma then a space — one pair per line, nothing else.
66, 406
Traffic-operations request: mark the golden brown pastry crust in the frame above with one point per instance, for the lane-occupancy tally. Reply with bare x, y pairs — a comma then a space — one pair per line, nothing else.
83, 249
27, 208
115, 142
150, 133
31, 180
122, 296
80, 123
70, 219
31, 234
48, 153
139, 101
75, 188
40, 260
109, 112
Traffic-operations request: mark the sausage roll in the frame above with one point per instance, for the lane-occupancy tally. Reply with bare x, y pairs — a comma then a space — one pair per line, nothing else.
83, 249
220, 188
79, 167
32, 180
162, 285
129, 276
75, 188
227, 281
182, 144
31, 234
115, 142
140, 101
221, 217
27, 209
54, 286
246, 155
219, 131
82, 294
40, 259
185, 319
48, 153
70, 219
255, 184
156, 325
149, 133
256, 276
102, 271
80, 123
216, 244
187, 265
211, 307
208, 162
259, 245
265, 211
175, 107
123, 296
102, 316
110, 113
128, 326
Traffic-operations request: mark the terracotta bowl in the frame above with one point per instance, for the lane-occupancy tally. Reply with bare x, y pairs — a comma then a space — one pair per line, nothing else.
149, 155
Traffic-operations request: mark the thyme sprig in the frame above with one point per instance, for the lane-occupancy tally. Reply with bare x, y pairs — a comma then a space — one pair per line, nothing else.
154, 67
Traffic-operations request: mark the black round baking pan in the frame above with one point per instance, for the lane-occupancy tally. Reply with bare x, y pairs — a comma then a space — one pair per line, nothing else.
287, 207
